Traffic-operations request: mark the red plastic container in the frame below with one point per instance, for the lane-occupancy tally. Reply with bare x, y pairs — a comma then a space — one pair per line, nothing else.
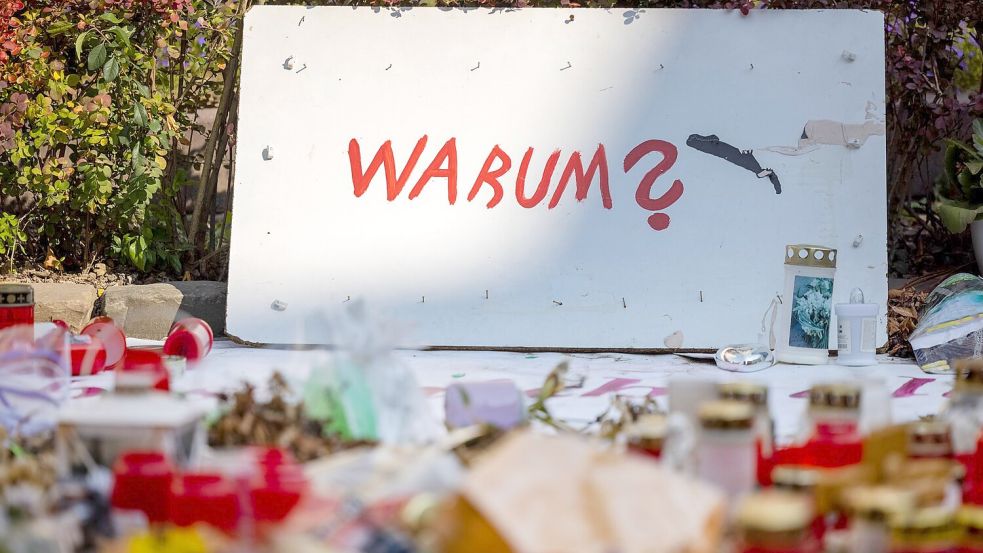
143, 369
834, 445
204, 498
278, 486
143, 483
112, 338
190, 338
88, 356
16, 305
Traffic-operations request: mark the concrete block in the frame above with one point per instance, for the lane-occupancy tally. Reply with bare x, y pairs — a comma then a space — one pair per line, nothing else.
148, 310
64, 301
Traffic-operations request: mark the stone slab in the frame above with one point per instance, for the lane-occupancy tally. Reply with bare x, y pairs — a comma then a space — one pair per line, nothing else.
64, 301
148, 310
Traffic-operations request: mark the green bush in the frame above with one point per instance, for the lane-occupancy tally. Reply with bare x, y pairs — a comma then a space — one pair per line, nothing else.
99, 98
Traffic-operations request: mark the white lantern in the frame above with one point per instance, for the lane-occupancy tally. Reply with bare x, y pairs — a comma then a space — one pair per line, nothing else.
807, 304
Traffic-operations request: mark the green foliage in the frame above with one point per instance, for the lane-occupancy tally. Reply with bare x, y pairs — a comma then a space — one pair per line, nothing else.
12, 238
102, 96
964, 177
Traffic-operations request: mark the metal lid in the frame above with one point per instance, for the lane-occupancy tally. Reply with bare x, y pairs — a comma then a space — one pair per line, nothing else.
649, 431
795, 477
929, 438
12, 294
726, 415
744, 358
806, 255
879, 503
921, 521
970, 516
835, 396
775, 512
648, 426
745, 392
969, 375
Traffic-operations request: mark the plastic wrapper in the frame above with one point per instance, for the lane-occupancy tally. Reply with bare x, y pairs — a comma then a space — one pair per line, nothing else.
35, 377
363, 392
950, 325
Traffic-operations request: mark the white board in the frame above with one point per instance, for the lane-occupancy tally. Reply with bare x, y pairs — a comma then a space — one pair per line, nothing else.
795, 87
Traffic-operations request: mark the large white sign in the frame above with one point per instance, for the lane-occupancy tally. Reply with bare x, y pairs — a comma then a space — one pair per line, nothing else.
562, 178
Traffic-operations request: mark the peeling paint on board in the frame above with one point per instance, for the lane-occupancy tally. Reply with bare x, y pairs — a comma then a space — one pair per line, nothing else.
674, 340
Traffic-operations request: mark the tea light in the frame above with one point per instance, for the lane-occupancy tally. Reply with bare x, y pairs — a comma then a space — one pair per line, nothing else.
856, 331
803, 328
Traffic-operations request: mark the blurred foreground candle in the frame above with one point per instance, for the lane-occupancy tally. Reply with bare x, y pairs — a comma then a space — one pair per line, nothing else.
776, 522
725, 453
755, 395
833, 429
142, 482
496, 402
807, 301
647, 435
965, 410
16, 305
929, 439
931, 530
870, 509
805, 482
970, 519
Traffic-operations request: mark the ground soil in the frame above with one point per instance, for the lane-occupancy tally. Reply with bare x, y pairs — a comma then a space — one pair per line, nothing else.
102, 276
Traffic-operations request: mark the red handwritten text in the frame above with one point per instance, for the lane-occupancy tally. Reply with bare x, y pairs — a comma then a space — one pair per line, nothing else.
498, 164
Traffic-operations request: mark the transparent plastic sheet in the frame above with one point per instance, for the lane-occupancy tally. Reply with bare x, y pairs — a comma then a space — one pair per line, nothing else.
35, 378
364, 390
950, 325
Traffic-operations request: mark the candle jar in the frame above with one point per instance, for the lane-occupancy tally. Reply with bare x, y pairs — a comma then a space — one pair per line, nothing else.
805, 481
870, 508
833, 429
755, 395
929, 439
647, 435
970, 520
931, 530
965, 409
802, 336
190, 338
725, 453
775, 522
856, 331
141, 483
16, 305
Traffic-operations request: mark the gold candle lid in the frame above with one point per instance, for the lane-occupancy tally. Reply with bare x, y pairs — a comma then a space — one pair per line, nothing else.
795, 477
806, 255
648, 431
724, 415
775, 512
924, 521
929, 438
745, 392
969, 375
970, 517
879, 503
835, 396
648, 426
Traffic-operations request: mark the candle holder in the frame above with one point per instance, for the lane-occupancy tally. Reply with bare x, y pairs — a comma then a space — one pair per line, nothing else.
807, 304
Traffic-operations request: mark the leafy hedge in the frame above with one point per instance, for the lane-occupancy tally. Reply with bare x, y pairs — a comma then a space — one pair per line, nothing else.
99, 100
98, 97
